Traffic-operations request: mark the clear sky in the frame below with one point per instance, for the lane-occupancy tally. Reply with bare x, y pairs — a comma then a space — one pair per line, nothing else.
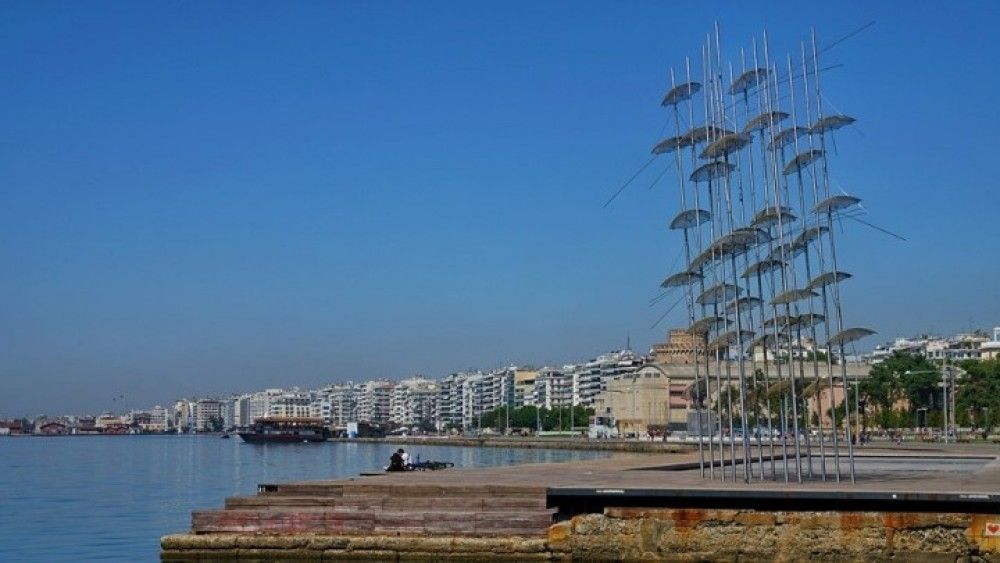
207, 197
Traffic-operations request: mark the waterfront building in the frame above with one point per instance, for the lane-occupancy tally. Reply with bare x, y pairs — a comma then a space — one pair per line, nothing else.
413, 401
107, 419
524, 385
448, 407
500, 388
990, 350
802, 348
229, 413
343, 403
960, 347
249, 407
159, 420
553, 388
375, 401
963, 346
681, 347
292, 403
590, 378
645, 401
11, 428
207, 413
473, 393
183, 413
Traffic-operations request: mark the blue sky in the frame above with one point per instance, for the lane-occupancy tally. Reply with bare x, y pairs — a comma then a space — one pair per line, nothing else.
201, 198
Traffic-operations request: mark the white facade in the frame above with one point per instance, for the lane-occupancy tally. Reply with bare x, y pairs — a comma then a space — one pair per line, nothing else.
205, 411
553, 388
413, 401
375, 402
448, 408
591, 378
291, 404
343, 403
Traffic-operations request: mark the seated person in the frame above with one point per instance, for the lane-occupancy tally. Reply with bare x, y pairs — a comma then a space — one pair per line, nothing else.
396, 462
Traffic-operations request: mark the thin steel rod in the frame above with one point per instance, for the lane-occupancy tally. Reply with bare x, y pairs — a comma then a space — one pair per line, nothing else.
833, 257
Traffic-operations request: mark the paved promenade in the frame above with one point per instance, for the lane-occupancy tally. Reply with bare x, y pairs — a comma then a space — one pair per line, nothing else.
918, 469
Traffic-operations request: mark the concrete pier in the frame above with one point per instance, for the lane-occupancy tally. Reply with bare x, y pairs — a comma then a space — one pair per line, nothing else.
930, 506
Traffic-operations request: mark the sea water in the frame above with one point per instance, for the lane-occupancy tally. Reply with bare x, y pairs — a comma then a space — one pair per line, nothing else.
111, 497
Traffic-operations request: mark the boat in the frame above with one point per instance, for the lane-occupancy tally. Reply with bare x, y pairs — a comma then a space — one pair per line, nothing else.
286, 429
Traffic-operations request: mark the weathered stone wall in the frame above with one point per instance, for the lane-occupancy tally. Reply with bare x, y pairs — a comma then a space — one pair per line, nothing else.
309, 547
631, 534
731, 535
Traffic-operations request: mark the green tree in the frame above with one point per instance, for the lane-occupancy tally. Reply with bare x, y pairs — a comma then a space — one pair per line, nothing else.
214, 424
901, 376
528, 416
977, 399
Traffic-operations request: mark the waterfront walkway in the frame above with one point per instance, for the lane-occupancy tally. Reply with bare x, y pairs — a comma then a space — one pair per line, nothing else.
896, 477
502, 508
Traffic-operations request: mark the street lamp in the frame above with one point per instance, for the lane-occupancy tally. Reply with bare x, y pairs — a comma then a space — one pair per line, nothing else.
944, 390
857, 408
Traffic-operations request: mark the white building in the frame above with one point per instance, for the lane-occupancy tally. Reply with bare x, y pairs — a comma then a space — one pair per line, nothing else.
591, 378
553, 388
375, 401
160, 420
413, 401
962, 346
342, 399
206, 412
292, 403
183, 414
448, 410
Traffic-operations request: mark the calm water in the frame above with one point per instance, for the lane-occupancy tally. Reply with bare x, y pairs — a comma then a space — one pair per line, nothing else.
111, 498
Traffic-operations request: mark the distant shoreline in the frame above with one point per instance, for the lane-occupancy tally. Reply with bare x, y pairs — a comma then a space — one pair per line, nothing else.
529, 443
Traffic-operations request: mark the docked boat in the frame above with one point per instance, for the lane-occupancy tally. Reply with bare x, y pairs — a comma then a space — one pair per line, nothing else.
286, 429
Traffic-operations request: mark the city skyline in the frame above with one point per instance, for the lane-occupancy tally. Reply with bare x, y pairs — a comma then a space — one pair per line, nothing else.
201, 209
675, 350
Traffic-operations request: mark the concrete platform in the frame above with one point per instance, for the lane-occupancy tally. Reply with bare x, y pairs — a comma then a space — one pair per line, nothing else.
938, 503
952, 471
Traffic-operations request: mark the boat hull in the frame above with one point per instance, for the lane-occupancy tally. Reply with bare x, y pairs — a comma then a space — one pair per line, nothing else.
255, 438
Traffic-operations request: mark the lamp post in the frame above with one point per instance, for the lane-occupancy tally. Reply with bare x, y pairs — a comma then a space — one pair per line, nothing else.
951, 369
944, 389
857, 409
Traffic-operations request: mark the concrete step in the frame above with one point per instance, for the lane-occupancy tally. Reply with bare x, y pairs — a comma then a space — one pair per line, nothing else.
385, 502
331, 489
348, 521
441, 491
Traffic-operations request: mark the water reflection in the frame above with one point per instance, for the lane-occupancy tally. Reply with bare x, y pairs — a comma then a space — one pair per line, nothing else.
112, 497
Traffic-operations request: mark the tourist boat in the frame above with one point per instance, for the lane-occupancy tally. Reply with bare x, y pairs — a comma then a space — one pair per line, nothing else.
286, 429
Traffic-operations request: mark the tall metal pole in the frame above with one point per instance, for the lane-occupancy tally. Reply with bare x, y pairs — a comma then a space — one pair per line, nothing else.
687, 243
699, 338
857, 409
771, 99
833, 253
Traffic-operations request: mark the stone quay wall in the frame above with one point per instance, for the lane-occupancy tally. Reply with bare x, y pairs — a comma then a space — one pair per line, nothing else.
638, 534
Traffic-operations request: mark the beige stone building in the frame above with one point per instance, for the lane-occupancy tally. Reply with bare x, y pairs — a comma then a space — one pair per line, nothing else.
644, 401
659, 395
681, 347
